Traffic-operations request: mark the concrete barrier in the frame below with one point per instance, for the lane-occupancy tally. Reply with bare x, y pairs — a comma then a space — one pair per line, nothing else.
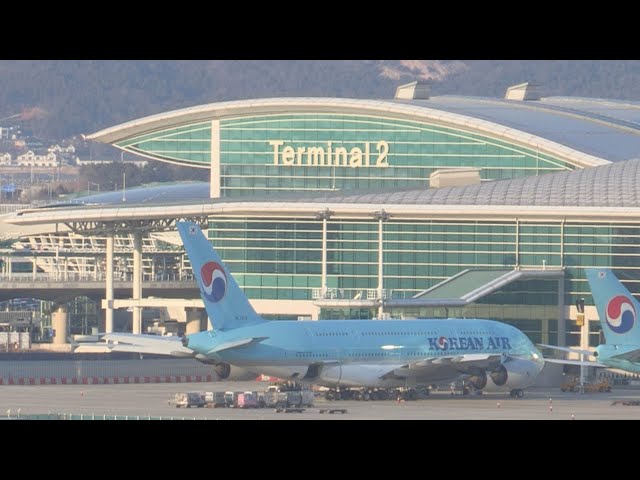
95, 372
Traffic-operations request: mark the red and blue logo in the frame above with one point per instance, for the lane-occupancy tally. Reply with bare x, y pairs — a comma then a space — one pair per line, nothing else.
443, 343
621, 315
214, 281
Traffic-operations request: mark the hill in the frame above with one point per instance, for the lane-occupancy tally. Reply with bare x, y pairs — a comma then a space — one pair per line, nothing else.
61, 98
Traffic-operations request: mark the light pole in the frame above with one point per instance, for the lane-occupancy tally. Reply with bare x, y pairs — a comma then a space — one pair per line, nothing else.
89, 186
52, 177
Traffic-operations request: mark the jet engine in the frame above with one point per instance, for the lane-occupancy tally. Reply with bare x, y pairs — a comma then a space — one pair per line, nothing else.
478, 379
499, 375
223, 370
514, 373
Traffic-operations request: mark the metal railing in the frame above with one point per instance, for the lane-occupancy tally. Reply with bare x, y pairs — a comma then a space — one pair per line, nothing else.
354, 294
15, 415
91, 277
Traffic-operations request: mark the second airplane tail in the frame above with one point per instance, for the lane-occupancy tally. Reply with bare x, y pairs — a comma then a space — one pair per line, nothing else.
617, 308
226, 304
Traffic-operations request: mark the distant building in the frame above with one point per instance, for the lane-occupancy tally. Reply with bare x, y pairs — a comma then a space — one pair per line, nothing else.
31, 159
10, 133
61, 150
33, 144
81, 163
137, 163
5, 159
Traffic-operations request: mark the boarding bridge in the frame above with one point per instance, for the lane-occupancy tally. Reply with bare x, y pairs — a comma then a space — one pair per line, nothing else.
462, 289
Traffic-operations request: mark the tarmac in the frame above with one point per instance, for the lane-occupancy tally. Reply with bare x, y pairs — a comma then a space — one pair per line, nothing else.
154, 401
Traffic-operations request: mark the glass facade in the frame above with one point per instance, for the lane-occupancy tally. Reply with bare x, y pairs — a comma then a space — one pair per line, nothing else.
304, 152
315, 151
277, 258
187, 145
417, 254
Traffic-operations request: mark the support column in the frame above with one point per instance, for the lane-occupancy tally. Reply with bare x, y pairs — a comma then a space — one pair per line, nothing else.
59, 322
194, 320
137, 281
545, 331
324, 215
562, 325
517, 243
215, 159
324, 257
108, 318
584, 345
57, 262
381, 216
35, 268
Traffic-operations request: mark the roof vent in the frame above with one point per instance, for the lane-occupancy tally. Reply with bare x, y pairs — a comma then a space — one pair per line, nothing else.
524, 91
454, 177
413, 91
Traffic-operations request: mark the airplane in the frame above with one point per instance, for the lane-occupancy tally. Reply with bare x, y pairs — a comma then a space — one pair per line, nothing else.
342, 354
618, 312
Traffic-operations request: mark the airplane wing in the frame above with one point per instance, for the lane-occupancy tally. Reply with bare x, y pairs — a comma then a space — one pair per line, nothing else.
244, 342
160, 345
444, 367
575, 362
585, 363
156, 344
567, 349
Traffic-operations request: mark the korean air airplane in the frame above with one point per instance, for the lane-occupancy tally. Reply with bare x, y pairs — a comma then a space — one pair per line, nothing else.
346, 354
618, 312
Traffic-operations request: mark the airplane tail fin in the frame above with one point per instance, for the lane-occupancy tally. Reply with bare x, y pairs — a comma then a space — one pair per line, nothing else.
227, 306
617, 308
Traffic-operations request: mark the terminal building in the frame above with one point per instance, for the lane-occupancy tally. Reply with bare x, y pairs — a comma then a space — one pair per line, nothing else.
416, 206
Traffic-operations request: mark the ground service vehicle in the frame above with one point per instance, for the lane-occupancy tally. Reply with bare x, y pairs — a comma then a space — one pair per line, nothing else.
574, 386
214, 399
282, 396
189, 399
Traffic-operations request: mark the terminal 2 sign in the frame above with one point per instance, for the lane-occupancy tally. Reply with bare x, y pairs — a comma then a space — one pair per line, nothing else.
373, 154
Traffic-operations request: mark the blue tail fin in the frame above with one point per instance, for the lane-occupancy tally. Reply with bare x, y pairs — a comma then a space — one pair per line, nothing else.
617, 309
227, 306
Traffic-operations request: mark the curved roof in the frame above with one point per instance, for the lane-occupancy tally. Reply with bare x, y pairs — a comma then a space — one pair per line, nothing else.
607, 129
187, 192
612, 185
507, 120
607, 193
